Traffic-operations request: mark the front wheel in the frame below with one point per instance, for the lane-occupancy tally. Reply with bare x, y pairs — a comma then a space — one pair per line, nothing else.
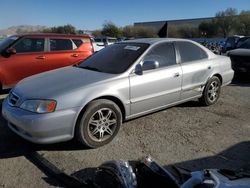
99, 124
211, 91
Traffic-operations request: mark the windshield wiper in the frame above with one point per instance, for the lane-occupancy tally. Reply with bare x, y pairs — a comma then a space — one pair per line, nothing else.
90, 68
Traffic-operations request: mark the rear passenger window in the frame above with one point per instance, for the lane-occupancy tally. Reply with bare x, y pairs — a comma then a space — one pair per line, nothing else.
29, 45
60, 44
163, 53
190, 52
77, 42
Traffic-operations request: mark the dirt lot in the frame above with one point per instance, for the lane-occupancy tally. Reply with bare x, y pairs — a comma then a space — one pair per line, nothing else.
188, 135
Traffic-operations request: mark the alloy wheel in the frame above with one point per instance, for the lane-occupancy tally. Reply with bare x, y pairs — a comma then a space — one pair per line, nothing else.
213, 91
102, 124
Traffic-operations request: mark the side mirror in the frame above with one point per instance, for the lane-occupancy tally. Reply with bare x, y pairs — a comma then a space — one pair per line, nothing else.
138, 69
11, 51
149, 65
8, 52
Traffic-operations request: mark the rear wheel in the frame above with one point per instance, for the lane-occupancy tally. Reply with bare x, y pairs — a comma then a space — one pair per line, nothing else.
211, 91
99, 124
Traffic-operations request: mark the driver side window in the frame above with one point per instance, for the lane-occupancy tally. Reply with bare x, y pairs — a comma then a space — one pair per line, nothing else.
163, 53
29, 45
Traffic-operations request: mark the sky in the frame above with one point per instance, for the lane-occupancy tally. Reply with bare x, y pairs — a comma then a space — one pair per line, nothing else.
92, 14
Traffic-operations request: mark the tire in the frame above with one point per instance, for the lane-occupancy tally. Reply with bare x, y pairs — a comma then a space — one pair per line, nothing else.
99, 124
211, 91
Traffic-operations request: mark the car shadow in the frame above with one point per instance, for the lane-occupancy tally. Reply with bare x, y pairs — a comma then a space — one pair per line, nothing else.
12, 145
5, 91
194, 103
242, 80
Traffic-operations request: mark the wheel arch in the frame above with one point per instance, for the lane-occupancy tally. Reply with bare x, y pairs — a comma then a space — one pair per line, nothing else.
218, 76
114, 99
117, 101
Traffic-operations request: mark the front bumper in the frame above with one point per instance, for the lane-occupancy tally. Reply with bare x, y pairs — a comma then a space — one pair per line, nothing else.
41, 128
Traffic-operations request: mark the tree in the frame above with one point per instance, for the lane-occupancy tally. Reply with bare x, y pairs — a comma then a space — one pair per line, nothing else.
97, 33
226, 21
244, 23
208, 29
66, 29
138, 32
144, 32
111, 30
128, 31
173, 31
187, 31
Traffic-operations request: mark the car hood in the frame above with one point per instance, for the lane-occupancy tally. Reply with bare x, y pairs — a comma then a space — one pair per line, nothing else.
239, 52
57, 82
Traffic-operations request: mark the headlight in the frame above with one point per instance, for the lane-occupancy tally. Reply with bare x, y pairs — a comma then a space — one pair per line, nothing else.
39, 106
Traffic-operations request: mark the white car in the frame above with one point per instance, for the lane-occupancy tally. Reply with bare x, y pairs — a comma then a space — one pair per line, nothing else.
101, 42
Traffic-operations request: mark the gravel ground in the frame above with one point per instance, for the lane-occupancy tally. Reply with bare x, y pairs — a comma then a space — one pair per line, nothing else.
188, 135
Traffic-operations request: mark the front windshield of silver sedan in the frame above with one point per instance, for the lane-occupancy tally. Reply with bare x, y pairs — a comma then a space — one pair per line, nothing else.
116, 58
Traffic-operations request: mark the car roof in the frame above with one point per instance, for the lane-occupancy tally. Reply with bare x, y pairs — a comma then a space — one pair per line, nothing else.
52, 35
154, 40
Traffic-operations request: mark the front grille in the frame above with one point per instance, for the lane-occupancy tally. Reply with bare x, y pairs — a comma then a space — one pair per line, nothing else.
13, 99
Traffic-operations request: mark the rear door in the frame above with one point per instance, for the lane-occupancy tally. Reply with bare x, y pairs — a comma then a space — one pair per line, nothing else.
28, 60
61, 52
196, 68
158, 87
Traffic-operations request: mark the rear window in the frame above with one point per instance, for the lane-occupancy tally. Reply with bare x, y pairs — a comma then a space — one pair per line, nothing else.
77, 42
60, 44
190, 52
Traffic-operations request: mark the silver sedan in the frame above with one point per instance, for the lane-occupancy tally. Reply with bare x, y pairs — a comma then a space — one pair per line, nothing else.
90, 101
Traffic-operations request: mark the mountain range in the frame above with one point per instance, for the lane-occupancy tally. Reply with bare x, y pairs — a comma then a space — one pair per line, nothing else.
20, 29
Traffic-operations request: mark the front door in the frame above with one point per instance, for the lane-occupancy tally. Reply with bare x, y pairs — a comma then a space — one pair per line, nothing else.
158, 87
28, 60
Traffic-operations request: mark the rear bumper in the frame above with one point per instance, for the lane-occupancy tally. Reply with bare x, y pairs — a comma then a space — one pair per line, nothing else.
41, 128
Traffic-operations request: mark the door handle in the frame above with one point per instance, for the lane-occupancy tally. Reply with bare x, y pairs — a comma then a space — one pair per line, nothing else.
40, 57
75, 55
209, 67
177, 74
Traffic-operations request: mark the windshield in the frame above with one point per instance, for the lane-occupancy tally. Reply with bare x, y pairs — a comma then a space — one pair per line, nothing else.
231, 41
245, 44
241, 41
116, 58
98, 40
7, 42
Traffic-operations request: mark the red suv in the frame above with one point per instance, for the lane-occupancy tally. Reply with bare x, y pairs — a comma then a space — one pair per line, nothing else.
25, 55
